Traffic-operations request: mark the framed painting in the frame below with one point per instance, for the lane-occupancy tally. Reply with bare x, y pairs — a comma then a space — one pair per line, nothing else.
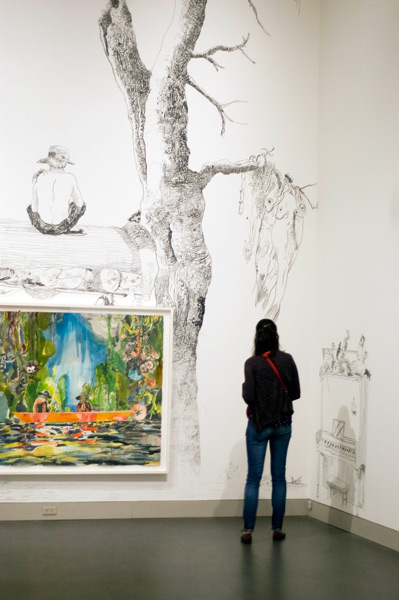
84, 390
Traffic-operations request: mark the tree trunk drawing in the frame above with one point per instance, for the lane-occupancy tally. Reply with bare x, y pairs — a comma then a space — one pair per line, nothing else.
173, 203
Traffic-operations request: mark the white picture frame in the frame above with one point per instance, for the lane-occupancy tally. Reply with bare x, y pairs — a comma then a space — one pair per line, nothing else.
128, 354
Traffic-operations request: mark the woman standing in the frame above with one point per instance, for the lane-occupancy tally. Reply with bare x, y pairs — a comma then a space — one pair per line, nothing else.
271, 384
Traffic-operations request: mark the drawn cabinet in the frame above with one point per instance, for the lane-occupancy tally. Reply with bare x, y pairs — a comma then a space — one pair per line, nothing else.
341, 441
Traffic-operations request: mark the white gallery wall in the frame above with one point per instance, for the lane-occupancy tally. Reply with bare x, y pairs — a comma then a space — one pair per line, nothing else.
58, 88
358, 248
321, 89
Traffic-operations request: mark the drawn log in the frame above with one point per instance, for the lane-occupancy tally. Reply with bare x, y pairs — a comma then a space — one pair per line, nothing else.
102, 259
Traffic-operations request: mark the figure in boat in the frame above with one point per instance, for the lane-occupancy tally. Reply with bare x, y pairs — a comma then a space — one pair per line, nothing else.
84, 404
41, 404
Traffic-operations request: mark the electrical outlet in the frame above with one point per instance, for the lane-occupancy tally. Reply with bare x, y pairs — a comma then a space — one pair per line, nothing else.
49, 510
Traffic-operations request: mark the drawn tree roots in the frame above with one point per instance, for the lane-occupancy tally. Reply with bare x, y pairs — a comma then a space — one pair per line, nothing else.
173, 203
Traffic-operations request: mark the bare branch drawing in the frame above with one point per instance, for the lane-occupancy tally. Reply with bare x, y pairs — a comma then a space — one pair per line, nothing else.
219, 107
209, 170
208, 54
251, 4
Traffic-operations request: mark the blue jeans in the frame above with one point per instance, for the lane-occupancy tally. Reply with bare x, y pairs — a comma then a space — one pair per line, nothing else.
279, 438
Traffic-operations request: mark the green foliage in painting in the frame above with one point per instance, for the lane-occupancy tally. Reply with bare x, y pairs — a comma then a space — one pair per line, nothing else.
130, 375
142, 344
49, 349
23, 343
132, 372
62, 390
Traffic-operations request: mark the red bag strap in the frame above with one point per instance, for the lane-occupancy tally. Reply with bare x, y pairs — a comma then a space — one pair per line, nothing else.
273, 366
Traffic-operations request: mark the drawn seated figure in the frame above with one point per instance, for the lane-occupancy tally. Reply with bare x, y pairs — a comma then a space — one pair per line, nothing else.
57, 204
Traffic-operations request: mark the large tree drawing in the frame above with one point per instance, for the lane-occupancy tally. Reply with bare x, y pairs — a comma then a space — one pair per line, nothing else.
173, 202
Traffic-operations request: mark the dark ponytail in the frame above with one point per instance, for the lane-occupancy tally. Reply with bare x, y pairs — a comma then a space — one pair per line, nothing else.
266, 337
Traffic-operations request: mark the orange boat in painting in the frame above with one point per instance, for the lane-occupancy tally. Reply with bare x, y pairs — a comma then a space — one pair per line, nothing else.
137, 412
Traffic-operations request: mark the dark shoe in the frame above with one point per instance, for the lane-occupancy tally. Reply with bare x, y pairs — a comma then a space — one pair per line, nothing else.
278, 535
246, 537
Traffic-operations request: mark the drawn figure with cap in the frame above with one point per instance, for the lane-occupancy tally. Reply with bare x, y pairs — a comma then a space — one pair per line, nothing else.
41, 404
57, 204
84, 405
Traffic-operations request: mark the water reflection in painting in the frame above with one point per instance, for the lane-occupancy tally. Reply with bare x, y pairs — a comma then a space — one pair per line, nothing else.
77, 444
80, 388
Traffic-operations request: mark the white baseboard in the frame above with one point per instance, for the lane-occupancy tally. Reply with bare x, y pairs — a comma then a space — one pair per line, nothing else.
356, 525
33, 511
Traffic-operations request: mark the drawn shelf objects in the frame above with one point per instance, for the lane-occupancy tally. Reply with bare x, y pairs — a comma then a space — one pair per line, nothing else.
83, 389
341, 439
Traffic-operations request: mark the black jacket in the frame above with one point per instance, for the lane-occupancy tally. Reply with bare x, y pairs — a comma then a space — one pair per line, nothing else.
262, 390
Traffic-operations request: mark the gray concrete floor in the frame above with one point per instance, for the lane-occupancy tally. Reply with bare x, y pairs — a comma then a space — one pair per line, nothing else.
190, 559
